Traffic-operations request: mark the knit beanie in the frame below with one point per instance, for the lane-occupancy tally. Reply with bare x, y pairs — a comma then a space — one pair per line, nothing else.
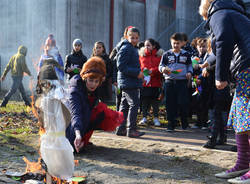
77, 42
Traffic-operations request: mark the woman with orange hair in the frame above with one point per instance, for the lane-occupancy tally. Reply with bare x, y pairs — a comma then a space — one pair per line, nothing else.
87, 114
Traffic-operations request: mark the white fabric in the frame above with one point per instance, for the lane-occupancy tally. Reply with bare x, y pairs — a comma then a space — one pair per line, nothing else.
56, 151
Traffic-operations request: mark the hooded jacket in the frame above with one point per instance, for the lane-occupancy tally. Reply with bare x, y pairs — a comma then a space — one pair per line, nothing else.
230, 29
128, 66
151, 61
17, 63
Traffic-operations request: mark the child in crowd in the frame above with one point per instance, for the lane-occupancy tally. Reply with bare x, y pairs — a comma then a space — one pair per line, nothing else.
113, 57
52, 51
150, 57
218, 102
45, 56
185, 45
176, 66
129, 81
17, 65
201, 83
191, 49
105, 89
75, 60
87, 113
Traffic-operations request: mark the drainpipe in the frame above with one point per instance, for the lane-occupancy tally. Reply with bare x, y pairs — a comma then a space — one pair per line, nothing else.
174, 7
111, 26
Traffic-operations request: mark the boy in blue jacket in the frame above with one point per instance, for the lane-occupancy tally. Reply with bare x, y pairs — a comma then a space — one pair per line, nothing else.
176, 66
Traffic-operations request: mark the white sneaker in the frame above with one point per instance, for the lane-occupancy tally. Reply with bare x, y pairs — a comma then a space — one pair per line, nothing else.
157, 122
143, 121
204, 128
239, 180
234, 174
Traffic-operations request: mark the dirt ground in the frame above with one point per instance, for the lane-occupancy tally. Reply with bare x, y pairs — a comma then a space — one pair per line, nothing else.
158, 157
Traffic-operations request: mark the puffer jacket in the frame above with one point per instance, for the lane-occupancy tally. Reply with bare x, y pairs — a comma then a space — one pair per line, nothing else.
17, 63
230, 29
128, 67
151, 61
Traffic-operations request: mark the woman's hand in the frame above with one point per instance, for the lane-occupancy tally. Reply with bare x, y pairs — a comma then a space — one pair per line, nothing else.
78, 141
220, 84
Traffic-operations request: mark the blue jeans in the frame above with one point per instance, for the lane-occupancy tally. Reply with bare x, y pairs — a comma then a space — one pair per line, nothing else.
17, 84
130, 102
176, 93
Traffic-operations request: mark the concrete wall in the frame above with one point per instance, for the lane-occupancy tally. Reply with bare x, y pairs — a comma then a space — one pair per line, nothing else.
166, 25
128, 13
29, 22
90, 22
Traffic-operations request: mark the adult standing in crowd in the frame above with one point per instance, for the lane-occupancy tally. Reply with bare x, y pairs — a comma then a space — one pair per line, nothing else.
229, 26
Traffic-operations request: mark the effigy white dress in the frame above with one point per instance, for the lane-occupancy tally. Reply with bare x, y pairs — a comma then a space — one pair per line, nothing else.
56, 151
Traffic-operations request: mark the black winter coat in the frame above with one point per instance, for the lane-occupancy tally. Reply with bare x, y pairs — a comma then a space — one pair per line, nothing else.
75, 58
230, 29
104, 89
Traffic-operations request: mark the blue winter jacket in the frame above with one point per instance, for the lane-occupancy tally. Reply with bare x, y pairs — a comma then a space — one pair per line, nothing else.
80, 109
128, 67
230, 27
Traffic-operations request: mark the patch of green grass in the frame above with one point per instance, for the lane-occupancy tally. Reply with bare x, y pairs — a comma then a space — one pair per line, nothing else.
13, 106
17, 130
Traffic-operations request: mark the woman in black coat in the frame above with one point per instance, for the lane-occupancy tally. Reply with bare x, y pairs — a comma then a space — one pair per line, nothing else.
229, 26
